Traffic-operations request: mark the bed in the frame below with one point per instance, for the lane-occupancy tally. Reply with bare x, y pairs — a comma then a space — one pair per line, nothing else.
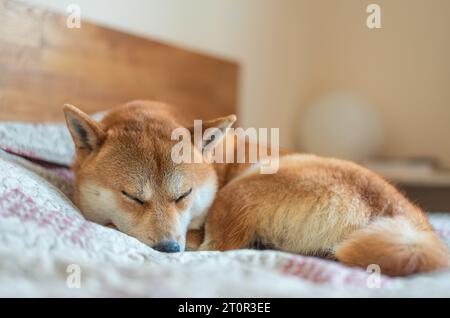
48, 249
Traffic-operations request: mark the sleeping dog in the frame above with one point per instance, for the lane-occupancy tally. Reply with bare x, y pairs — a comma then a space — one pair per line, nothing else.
126, 177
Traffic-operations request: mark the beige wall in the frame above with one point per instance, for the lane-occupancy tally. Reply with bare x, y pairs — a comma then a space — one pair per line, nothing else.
403, 69
294, 50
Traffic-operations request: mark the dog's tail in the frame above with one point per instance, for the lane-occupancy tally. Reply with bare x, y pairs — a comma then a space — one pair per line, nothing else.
399, 245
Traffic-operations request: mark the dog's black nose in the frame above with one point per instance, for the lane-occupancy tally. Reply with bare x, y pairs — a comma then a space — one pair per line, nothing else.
167, 247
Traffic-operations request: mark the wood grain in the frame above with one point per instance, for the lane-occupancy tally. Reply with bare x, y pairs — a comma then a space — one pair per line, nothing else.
44, 64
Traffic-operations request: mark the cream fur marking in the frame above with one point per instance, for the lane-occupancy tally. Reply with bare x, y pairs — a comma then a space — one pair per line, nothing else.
306, 227
97, 203
147, 191
203, 200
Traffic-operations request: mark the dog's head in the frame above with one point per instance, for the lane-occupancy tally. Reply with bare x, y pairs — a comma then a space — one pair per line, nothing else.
126, 176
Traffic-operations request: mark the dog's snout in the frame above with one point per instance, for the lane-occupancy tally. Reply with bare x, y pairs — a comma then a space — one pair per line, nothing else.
167, 247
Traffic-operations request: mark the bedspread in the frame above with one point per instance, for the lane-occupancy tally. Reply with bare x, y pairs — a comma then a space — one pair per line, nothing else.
47, 248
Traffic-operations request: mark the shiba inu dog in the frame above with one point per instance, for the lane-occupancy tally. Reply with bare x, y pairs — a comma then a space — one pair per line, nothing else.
125, 177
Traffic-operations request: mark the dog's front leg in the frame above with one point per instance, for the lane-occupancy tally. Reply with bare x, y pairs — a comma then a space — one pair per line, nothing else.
194, 239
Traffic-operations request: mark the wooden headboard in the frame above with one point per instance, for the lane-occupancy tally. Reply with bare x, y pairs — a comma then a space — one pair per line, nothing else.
44, 64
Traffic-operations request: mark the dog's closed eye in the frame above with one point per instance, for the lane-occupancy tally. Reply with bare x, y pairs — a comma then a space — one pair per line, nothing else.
129, 196
184, 195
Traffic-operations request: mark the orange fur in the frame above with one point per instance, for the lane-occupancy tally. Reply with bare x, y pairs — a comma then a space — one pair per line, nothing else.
383, 243
325, 207
129, 151
194, 238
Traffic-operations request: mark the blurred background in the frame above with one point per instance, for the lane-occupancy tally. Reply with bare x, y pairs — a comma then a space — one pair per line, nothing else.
314, 69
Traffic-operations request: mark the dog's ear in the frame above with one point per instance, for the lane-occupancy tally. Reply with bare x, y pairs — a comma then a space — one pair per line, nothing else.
87, 134
212, 131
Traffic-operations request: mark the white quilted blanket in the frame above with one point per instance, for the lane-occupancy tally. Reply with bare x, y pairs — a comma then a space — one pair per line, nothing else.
47, 248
